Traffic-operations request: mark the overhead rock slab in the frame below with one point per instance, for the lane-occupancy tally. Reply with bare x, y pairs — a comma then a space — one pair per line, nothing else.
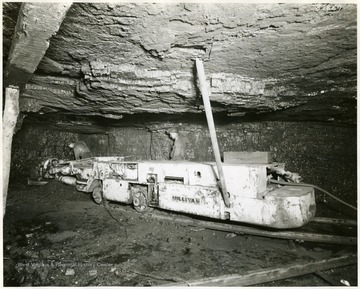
36, 24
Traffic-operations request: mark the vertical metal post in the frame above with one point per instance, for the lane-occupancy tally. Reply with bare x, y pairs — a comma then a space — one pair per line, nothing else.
211, 125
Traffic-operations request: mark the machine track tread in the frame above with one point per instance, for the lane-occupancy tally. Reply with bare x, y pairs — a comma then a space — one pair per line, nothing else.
321, 230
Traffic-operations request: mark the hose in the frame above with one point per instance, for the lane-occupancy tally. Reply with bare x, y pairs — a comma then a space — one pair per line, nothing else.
315, 187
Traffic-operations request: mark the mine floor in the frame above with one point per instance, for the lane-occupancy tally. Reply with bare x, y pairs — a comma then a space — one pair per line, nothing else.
56, 236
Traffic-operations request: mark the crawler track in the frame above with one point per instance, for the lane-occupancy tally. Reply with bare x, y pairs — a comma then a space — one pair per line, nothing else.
321, 230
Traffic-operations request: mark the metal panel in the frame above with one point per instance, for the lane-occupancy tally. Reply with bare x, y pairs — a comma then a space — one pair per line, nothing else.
117, 190
126, 171
121, 170
164, 169
281, 208
197, 200
245, 181
202, 175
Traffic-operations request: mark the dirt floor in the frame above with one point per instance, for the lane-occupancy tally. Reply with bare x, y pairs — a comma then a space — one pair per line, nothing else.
56, 236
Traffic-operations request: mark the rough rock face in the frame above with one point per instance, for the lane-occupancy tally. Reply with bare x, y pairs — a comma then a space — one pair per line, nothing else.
10, 13
290, 61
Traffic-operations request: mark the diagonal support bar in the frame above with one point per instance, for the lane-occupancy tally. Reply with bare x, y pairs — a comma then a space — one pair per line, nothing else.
211, 125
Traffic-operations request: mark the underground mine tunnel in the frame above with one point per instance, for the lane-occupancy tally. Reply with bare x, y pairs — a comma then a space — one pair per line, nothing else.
218, 144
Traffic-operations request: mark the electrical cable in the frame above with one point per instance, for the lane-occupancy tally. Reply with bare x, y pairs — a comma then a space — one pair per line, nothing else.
105, 206
315, 187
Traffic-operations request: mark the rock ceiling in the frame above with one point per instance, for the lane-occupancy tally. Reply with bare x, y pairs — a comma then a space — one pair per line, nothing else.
281, 61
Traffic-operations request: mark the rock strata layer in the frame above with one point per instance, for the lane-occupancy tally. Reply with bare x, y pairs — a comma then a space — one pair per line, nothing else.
293, 60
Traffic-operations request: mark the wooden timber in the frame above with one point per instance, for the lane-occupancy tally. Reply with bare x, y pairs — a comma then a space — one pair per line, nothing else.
279, 234
271, 274
10, 115
347, 222
247, 230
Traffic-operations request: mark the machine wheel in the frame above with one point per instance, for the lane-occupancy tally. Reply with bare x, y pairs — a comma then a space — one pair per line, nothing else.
97, 195
140, 202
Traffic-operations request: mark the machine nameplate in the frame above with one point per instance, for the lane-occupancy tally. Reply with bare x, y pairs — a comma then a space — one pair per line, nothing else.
186, 200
